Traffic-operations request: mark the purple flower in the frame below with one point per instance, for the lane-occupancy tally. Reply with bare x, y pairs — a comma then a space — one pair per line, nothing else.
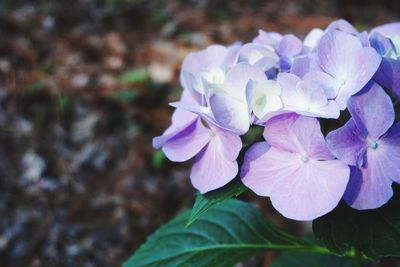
388, 75
386, 41
314, 36
342, 25
389, 29
268, 39
209, 64
264, 99
306, 97
345, 66
295, 168
226, 105
215, 150
312, 39
284, 84
261, 56
289, 47
370, 143
286, 46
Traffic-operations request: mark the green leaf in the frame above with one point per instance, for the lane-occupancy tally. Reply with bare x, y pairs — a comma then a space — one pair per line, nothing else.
372, 233
253, 135
37, 85
206, 201
225, 235
301, 259
63, 102
125, 96
158, 159
134, 76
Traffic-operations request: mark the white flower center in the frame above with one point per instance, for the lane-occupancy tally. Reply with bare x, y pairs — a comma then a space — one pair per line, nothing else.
211, 133
304, 158
373, 145
396, 42
214, 75
265, 97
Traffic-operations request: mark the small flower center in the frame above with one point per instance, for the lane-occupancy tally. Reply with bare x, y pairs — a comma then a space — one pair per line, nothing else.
304, 158
373, 145
211, 133
214, 75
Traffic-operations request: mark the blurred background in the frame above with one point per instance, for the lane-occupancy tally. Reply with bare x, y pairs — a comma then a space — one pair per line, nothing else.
84, 86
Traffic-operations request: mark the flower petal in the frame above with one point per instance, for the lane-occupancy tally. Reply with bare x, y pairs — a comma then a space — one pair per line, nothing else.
262, 169
348, 144
312, 39
369, 186
228, 102
181, 120
211, 171
390, 144
364, 65
300, 66
329, 111
237, 78
252, 154
260, 55
289, 46
383, 45
181, 116
316, 189
229, 143
388, 75
372, 110
388, 29
342, 25
186, 142
232, 54
297, 134
342, 56
328, 83
263, 97
200, 61
216, 165
268, 39
306, 97
300, 191
336, 52
229, 112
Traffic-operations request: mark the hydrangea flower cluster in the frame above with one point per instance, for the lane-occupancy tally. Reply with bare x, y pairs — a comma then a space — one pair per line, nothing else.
288, 86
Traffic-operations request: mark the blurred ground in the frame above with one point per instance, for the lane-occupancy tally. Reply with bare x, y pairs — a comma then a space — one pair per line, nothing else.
84, 86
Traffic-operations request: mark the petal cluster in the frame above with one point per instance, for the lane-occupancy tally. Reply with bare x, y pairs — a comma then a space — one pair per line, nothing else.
295, 168
370, 143
293, 88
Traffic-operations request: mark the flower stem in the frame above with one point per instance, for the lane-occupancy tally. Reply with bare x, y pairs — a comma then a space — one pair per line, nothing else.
356, 259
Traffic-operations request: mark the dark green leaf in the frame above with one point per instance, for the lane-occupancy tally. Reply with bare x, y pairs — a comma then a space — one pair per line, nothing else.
226, 234
37, 85
301, 259
372, 233
158, 159
253, 135
63, 102
206, 201
134, 76
125, 96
